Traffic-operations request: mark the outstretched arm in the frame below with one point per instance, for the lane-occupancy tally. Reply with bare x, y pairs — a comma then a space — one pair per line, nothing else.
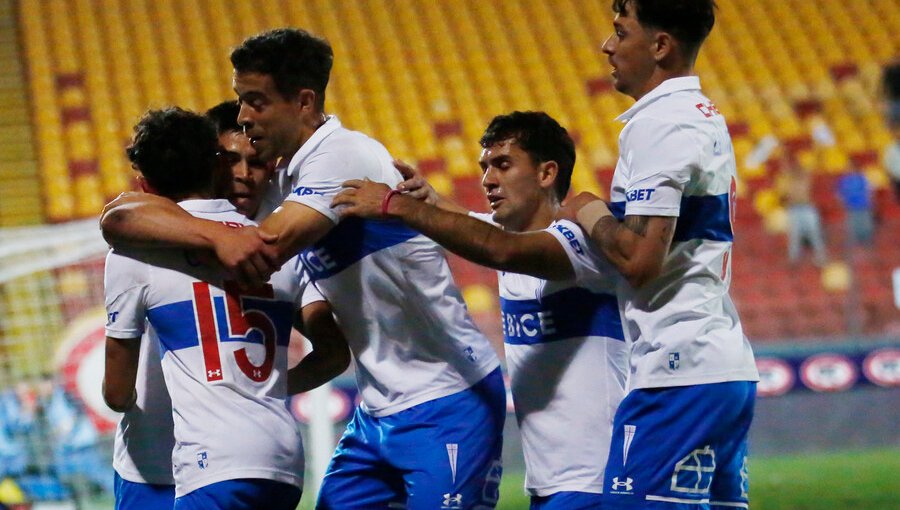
537, 254
147, 220
330, 355
636, 246
121, 373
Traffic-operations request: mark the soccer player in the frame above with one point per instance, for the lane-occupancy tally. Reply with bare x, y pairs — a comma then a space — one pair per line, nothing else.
429, 429
223, 348
142, 449
564, 342
246, 185
680, 435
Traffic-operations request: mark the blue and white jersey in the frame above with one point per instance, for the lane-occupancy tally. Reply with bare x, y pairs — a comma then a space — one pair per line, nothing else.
567, 360
676, 159
224, 358
390, 287
142, 451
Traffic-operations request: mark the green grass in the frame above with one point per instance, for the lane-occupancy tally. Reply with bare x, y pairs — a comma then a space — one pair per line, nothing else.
866, 480
858, 480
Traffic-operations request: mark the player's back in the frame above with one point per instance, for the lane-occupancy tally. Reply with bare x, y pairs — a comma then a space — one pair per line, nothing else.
224, 358
390, 287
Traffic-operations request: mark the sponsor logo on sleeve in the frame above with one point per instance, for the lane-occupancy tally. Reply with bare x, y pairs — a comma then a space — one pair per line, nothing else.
111, 318
639, 195
570, 236
303, 191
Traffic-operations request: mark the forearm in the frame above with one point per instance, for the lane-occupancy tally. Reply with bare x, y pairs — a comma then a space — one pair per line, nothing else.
635, 249
314, 370
482, 243
157, 224
119, 400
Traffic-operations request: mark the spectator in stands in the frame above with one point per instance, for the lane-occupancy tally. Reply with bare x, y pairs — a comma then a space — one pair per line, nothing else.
804, 225
892, 116
856, 195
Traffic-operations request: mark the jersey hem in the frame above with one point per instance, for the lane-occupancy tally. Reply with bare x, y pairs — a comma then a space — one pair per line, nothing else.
652, 211
242, 474
131, 476
670, 382
319, 208
429, 396
123, 334
550, 490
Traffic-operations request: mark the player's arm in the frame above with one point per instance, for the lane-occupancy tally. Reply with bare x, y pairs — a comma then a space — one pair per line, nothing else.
330, 355
636, 246
119, 378
537, 254
147, 220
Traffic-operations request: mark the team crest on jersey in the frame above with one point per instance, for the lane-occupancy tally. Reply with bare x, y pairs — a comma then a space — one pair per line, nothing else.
674, 360
202, 460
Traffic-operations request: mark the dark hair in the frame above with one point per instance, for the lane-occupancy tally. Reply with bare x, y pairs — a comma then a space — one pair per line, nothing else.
175, 150
224, 115
541, 137
294, 58
689, 21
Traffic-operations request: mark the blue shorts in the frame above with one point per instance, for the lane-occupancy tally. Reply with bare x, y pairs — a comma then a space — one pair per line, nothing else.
242, 494
567, 500
441, 454
681, 448
142, 496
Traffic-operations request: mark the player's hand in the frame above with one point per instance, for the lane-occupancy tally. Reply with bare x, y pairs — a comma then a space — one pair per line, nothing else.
247, 255
361, 198
415, 185
570, 208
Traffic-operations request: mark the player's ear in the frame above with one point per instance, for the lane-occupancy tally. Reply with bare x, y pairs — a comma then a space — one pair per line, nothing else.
547, 173
663, 45
145, 186
306, 99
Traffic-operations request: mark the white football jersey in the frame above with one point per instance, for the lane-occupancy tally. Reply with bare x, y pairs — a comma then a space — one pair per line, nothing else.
567, 360
676, 159
224, 358
142, 450
389, 286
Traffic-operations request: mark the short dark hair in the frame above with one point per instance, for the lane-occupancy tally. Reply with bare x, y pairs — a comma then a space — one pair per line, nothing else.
541, 137
294, 58
689, 21
175, 150
224, 115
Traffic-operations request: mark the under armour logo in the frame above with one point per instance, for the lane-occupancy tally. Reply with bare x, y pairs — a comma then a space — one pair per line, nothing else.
452, 501
619, 485
257, 374
214, 373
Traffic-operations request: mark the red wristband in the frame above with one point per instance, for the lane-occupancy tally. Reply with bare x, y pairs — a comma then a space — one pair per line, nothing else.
386, 201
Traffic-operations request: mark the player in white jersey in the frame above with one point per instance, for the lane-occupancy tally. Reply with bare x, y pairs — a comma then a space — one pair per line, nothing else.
142, 449
223, 348
563, 337
680, 435
429, 428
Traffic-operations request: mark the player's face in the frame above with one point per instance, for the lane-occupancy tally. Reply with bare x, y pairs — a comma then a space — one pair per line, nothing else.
511, 184
630, 50
249, 174
271, 121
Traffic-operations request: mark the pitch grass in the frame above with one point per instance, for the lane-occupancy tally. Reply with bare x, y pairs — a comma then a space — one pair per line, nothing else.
858, 480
